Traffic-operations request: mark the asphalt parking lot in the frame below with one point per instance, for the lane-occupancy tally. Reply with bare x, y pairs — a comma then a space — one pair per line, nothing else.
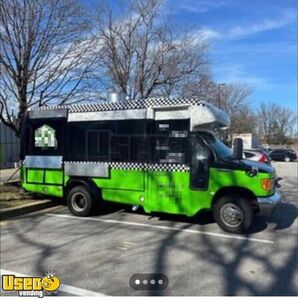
98, 255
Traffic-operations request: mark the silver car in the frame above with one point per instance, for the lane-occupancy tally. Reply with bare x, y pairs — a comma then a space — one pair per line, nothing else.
257, 155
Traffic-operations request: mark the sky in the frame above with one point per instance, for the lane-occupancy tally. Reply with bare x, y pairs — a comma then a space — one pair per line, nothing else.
253, 42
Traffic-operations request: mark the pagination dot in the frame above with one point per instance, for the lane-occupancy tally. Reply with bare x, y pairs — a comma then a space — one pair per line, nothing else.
137, 282
160, 281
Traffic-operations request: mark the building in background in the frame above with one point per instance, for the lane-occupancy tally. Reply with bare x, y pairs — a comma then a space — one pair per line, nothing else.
9, 147
250, 140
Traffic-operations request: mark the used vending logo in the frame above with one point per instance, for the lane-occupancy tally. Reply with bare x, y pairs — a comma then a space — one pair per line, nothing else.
31, 286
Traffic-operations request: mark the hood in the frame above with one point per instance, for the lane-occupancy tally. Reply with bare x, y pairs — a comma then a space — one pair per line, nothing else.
246, 165
263, 168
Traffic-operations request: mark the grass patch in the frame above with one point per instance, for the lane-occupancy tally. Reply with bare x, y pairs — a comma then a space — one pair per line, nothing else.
11, 196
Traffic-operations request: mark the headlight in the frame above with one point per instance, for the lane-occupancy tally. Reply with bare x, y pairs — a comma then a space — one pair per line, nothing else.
267, 184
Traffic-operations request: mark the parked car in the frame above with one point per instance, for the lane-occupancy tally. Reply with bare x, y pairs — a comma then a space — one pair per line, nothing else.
267, 149
257, 155
264, 150
283, 154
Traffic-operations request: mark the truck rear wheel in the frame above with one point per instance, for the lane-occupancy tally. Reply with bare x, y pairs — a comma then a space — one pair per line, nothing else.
80, 201
233, 213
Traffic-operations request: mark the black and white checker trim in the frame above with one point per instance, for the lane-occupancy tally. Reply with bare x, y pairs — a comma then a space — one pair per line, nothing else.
125, 105
149, 167
168, 167
127, 166
144, 166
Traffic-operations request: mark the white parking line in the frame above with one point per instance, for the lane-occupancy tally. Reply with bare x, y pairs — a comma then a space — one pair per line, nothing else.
64, 287
226, 236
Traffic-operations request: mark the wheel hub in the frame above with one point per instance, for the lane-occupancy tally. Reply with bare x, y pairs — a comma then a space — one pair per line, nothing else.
78, 201
231, 215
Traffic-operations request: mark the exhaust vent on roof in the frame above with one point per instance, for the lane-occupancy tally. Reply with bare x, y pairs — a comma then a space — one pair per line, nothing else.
116, 97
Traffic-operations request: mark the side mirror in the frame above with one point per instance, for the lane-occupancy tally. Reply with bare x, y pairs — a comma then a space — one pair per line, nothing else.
238, 149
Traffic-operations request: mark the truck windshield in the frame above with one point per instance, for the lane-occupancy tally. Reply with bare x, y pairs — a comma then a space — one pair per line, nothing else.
220, 149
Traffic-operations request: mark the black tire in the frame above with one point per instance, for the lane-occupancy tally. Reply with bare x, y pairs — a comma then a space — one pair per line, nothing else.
241, 213
80, 201
287, 159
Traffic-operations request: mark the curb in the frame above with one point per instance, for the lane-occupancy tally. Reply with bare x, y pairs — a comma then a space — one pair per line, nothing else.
25, 209
11, 181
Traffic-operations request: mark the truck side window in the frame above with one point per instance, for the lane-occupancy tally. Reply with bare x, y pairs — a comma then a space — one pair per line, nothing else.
200, 153
199, 164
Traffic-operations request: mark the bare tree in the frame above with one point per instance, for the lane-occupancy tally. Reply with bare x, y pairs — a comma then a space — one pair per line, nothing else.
276, 123
233, 99
45, 55
202, 86
141, 55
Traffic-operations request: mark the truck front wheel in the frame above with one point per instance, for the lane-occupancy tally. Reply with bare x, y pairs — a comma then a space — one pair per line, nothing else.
79, 201
233, 213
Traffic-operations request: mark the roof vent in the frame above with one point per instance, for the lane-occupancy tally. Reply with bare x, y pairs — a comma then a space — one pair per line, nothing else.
113, 97
116, 97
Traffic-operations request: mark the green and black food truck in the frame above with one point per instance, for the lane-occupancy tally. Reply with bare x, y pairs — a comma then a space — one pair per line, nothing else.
159, 154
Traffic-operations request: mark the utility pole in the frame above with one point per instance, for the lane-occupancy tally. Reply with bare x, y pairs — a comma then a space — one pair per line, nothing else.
226, 135
220, 88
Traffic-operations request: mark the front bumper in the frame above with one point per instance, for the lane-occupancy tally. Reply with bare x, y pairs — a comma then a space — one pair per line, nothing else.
267, 205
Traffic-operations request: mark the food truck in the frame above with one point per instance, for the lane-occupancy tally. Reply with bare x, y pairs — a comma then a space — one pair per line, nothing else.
158, 153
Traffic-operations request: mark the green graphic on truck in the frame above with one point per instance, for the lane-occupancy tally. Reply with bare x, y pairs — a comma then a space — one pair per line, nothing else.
159, 154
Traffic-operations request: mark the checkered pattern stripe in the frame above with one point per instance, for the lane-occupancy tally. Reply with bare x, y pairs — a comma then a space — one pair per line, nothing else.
125, 105
149, 167
159, 102
168, 167
127, 166
144, 166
